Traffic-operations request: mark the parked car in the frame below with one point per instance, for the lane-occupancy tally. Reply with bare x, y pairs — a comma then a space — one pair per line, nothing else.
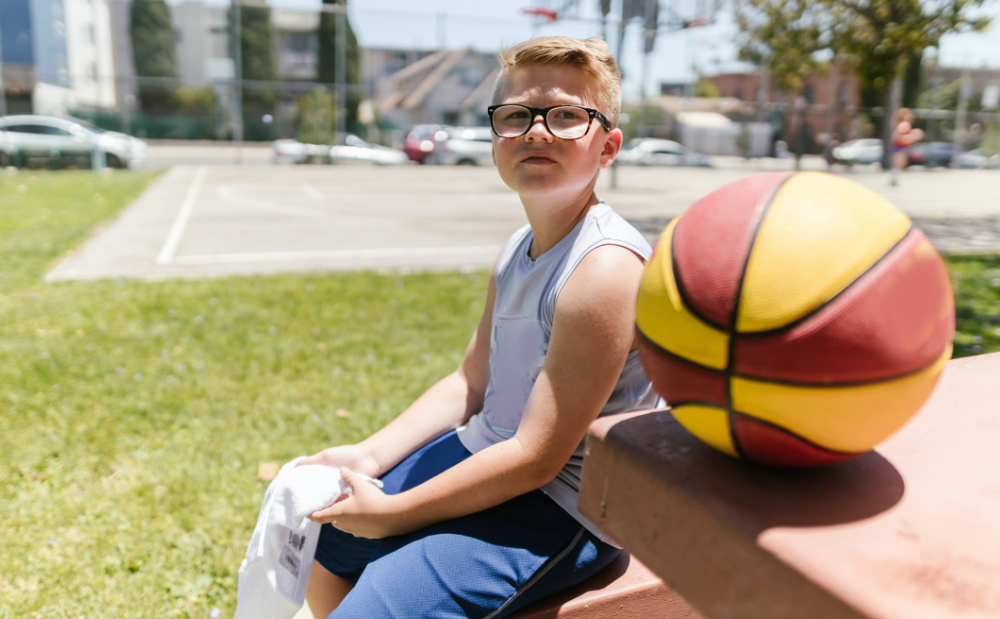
356, 150
463, 146
975, 160
351, 150
931, 154
654, 152
865, 151
57, 142
293, 151
421, 141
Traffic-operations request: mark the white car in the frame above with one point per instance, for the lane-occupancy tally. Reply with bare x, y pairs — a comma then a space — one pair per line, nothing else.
463, 146
353, 150
654, 152
356, 150
864, 152
975, 160
293, 151
58, 142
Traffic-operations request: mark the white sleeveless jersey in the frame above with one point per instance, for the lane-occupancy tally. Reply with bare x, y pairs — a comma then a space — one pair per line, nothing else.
527, 291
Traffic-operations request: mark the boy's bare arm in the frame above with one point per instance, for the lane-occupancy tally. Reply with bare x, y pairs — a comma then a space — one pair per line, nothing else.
446, 405
591, 337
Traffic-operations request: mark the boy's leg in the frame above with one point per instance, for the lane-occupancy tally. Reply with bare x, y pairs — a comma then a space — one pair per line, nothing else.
325, 591
340, 557
485, 565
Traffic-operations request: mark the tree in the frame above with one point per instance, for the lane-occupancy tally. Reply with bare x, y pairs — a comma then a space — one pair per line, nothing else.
153, 51
705, 88
315, 113
257, 65
879, 37
328, 57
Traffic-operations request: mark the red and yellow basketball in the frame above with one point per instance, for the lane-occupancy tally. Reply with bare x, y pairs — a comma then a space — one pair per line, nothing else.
794, 319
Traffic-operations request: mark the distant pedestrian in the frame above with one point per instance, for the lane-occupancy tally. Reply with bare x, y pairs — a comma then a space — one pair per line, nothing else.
904, 135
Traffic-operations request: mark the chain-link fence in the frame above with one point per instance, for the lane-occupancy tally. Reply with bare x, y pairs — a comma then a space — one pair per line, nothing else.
248, 71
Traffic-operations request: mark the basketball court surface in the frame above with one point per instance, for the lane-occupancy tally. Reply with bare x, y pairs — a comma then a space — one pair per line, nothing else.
223, 220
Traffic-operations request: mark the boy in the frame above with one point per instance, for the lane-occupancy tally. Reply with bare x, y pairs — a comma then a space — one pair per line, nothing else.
478, 515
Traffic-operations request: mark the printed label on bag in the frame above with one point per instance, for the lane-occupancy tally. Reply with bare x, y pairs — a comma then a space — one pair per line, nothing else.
289, 558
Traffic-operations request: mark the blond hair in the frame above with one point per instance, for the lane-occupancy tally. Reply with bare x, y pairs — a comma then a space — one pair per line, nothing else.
590, 55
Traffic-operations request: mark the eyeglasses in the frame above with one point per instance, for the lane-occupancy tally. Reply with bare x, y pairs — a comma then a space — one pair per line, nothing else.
566, 122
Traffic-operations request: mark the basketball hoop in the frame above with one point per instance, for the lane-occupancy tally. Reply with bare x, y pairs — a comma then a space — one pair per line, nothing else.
546, 13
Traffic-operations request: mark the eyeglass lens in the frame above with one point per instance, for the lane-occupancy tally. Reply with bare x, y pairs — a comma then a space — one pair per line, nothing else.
566, 121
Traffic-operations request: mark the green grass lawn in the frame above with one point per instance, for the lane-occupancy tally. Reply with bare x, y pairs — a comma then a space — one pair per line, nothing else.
133, 416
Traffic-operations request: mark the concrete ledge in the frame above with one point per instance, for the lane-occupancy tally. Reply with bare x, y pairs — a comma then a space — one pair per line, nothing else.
626, 589
910, 531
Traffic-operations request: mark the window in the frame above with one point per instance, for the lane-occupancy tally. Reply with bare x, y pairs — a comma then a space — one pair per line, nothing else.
807, 93
738, 93
35, 129
842, 93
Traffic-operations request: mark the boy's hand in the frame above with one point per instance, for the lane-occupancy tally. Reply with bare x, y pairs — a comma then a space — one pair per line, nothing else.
350, 456
370, 513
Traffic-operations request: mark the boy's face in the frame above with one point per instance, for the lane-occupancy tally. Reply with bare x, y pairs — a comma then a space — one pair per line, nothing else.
538, 164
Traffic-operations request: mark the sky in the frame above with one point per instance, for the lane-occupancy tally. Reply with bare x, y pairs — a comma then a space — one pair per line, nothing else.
484, 25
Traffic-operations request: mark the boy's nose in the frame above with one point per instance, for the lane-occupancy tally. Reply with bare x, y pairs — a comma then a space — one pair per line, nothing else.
537, 131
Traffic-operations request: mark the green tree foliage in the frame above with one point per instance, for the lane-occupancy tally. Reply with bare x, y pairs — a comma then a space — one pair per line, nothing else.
153, 52
705, 88
193, 101
328, 57
315, 113
877, 36
257, 65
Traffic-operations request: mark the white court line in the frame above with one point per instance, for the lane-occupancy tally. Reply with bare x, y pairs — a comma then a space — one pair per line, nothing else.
390, 252
312, 192
177, 231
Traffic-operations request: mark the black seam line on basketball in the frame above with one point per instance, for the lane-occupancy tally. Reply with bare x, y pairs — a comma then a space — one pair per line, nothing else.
818, 309
731, 344
854, 383
794, 435
696, 403
675, 356
680, 286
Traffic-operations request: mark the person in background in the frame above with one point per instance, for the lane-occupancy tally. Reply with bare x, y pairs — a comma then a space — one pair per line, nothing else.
904, 135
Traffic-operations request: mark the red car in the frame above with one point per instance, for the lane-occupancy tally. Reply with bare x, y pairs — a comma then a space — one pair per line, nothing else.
421, 141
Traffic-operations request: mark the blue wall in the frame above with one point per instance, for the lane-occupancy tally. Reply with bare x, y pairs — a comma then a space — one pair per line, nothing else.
15, 30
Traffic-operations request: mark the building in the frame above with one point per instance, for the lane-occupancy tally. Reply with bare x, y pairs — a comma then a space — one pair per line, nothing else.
36, 73
451, 87
91, 63
828, 101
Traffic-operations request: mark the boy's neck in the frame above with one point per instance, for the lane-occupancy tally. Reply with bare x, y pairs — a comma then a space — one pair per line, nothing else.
551, 221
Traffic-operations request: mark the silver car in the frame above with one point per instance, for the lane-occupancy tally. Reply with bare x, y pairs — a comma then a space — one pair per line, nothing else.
58, 142
654, 152
464, 146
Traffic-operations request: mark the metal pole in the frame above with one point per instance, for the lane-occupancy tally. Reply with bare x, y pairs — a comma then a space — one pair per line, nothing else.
958, 140
339, 66
3, 90
618, 59
237, 83
441, 30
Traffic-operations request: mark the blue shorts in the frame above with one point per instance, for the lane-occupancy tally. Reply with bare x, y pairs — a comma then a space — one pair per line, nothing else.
484, 565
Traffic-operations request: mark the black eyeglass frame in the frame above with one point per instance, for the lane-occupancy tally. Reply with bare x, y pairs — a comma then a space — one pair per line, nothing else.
544, 113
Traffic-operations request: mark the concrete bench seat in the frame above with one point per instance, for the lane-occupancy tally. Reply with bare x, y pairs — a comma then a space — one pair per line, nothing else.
908, 531
626, 589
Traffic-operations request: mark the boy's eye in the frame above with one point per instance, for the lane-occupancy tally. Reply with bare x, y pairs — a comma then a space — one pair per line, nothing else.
516, 115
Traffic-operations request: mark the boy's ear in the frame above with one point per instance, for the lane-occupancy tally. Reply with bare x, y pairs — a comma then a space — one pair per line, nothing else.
612, 146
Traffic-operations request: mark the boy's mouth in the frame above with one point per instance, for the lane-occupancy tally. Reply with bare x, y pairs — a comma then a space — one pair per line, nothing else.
538, 158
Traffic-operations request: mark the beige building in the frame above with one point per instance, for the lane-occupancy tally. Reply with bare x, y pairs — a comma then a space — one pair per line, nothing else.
447, 87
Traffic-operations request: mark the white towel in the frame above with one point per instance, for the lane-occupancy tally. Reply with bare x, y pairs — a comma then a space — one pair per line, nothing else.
275, 572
